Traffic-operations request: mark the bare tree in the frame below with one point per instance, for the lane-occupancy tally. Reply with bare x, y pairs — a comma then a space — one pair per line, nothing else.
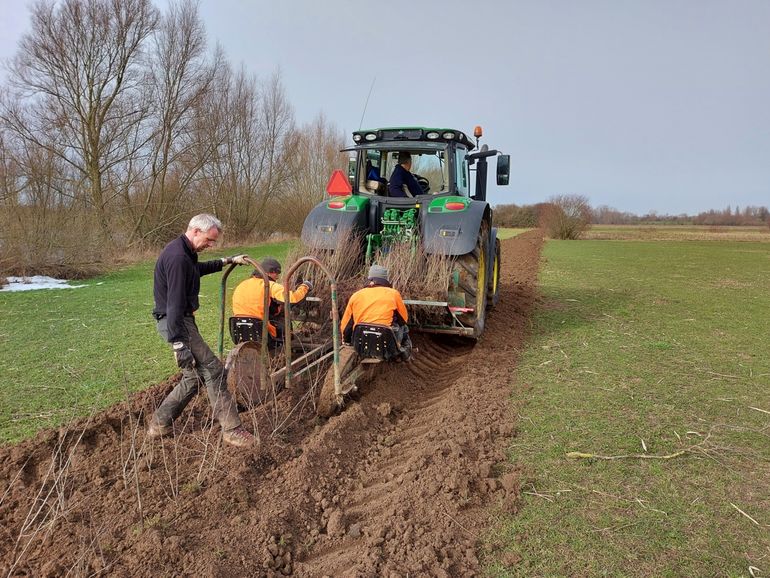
117, 126
314, 158
249, 129
566, 216
279, 140
179, 78
79, 76
228, 127
9, 174
44, 229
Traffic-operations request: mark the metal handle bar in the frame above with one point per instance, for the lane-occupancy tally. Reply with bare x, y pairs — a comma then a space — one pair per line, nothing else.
264, 376
335, 318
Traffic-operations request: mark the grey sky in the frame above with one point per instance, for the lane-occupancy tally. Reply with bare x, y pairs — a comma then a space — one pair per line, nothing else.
641, 105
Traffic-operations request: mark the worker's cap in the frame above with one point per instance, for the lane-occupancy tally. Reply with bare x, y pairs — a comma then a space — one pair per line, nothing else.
378, 272
270, 265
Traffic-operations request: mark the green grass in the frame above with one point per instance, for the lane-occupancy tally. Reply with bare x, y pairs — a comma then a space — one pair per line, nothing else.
71, 351
508, 232
679, 233
657, 343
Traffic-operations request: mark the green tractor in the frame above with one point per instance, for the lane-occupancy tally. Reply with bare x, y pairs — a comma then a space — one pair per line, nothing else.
450, 218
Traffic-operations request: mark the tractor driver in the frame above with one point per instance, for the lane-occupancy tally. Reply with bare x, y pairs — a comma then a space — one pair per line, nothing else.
378, 303
402, 182
249, 298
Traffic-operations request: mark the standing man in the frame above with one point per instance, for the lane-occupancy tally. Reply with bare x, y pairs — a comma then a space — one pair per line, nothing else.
378, 303
176, 286
402, 182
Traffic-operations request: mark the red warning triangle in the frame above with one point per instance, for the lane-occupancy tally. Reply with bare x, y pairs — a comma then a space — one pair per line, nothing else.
339, 184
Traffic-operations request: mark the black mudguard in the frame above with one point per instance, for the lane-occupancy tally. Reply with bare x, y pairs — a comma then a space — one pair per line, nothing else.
323, 225
454, 233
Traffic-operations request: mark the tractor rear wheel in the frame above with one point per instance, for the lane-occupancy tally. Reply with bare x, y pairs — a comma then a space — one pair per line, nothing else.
328, 401
473, 281
493, 291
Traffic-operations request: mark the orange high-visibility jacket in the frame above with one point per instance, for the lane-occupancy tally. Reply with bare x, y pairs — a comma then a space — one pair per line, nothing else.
375, 304
249, 298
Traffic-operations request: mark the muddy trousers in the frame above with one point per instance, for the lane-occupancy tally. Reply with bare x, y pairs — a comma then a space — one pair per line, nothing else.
404, 341
209, 370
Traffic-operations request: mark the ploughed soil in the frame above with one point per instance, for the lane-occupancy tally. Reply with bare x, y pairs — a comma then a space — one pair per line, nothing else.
404, 481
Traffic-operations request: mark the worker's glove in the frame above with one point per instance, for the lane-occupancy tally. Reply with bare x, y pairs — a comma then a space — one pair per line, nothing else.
309, 285
183, 355
237, 259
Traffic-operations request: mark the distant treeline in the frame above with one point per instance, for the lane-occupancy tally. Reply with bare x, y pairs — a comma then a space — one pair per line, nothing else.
532, 216
117, 124
518, 216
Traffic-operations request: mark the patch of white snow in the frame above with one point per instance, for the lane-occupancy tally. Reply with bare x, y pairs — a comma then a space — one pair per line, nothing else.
37, 282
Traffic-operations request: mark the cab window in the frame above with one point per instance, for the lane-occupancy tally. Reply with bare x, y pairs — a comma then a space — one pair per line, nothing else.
433, 167
375, 168
461, 172
370, 172
430, 165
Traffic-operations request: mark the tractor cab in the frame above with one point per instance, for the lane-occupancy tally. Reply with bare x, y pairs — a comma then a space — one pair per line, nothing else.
375, 166
442, 161
439, 160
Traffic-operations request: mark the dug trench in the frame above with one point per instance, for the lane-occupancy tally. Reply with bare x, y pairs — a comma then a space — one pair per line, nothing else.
404, 481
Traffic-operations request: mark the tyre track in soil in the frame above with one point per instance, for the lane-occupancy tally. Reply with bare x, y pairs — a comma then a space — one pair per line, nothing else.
422, 494
403, 481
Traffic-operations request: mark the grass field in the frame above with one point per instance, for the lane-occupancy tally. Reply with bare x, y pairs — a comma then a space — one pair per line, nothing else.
678, 233
507, 233
68, 352
654, 349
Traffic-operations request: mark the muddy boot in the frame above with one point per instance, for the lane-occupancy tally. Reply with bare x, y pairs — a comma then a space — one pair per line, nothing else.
406, 349
157, 431
239, 437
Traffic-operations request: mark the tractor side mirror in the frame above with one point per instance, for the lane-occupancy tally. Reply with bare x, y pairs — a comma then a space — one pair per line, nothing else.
503, 169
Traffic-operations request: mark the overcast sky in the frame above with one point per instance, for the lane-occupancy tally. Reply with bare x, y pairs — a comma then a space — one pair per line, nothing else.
643, 105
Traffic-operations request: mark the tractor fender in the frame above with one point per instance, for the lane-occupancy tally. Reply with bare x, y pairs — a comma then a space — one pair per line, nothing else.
454, 233
323, 225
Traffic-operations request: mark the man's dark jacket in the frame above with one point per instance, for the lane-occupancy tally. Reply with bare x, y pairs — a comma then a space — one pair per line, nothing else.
177, 283
401, 177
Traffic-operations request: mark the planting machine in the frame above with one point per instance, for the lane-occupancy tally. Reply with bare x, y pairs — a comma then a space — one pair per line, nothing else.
450, 219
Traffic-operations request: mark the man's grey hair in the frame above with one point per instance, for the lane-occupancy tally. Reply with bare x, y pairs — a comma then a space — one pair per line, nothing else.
204, 222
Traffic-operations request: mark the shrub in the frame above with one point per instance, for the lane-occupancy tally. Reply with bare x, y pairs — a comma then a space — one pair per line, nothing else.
566, 217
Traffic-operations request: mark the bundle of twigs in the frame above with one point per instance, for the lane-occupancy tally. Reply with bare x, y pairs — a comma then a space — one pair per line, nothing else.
415, 273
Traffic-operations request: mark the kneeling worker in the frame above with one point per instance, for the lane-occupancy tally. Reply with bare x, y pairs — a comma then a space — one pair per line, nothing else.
378, 303
249, 299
